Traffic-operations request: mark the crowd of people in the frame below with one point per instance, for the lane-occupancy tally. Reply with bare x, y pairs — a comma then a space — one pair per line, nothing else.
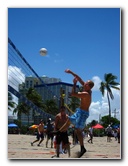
113, 133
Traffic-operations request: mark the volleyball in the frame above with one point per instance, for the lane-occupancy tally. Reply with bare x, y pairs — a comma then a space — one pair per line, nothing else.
43, 51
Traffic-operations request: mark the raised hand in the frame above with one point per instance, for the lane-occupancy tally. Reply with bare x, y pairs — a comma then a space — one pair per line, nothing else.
68, 71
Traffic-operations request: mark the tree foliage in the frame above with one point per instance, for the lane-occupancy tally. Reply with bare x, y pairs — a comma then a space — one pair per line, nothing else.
74, 103
105, 121
48, 106
11, 103
51, 107
108, 83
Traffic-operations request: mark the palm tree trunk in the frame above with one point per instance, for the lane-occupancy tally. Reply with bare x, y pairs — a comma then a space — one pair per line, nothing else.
109, 108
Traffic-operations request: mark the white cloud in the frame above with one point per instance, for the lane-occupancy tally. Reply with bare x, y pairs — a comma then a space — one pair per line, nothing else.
100, 108
15, 77
97, 82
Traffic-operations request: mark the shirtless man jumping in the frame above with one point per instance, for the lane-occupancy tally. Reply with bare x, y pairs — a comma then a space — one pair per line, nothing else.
78, 119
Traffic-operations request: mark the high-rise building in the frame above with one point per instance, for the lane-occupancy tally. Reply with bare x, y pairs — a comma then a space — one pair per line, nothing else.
30, 81
52, 88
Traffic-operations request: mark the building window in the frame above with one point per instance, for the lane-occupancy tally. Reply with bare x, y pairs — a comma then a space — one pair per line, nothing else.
27, 84
31, 83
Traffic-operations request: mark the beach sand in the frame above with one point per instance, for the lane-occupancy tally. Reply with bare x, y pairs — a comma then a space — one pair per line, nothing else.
19, 147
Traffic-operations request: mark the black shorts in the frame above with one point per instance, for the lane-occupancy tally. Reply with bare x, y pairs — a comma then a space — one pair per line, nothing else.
91, 135
40, 136
50, 136
62, 137
109, 134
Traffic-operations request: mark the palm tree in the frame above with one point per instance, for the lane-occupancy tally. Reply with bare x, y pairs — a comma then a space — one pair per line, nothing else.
22, 108
11, 104
107, 85
74, 103
51, 107
36, 98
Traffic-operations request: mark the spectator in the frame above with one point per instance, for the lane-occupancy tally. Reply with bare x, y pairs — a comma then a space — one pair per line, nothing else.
109, 133
118, 135
90, 135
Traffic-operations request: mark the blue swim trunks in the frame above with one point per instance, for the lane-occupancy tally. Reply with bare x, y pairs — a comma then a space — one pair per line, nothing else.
78, 119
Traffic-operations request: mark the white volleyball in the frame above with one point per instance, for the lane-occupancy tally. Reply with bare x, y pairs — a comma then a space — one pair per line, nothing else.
43, 51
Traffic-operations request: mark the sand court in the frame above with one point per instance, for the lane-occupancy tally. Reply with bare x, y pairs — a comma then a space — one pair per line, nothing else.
19, 147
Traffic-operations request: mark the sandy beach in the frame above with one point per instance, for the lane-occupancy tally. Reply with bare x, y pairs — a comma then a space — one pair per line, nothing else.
19, 147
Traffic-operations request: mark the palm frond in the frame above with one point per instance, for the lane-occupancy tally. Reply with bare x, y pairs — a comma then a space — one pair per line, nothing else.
102, 88
109, 77
115, 87
113, 83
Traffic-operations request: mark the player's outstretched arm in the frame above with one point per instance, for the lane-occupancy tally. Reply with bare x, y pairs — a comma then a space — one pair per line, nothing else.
75, 75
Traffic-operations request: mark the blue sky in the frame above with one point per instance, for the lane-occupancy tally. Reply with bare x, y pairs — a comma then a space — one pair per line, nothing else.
85, 40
